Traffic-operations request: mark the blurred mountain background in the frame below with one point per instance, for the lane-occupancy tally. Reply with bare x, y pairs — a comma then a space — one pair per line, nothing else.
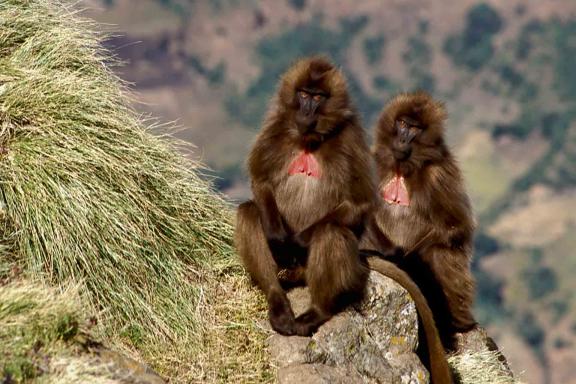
504, 69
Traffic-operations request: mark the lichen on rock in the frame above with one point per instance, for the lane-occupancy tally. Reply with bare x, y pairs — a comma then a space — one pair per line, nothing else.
371, 342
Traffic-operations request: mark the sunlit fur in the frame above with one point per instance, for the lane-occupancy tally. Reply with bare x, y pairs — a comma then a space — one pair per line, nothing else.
323, 216
434, 233
335, 206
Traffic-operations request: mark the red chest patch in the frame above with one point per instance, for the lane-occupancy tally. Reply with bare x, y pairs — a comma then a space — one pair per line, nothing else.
395, 192
305, 163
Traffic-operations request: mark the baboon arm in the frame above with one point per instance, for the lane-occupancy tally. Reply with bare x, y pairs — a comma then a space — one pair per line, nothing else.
439, 369
449, 206
452, 238
259, 262
446, 263
272, 222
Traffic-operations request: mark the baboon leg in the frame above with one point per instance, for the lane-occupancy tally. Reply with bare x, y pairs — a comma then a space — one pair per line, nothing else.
258, 260
334, 274
450, 269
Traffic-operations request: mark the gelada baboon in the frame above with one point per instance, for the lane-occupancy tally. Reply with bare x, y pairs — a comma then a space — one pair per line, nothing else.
310, 173
424, 222
311, 185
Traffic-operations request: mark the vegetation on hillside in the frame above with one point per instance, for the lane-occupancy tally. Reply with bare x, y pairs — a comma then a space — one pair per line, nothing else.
90, 197
473, 48
45, 337
36, 324
87, 193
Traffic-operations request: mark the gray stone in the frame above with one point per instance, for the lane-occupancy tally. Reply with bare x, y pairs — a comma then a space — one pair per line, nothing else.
127, 370
317, 374
300, 299
374, 342
288, 350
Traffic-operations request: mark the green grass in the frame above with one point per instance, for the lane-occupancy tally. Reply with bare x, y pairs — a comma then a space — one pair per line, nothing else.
45, 338
88, 195
35, 321
88, 192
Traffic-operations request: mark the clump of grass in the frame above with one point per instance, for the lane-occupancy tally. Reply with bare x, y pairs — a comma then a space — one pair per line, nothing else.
481, 367
232, 349
88, 195
44, 337
35, 322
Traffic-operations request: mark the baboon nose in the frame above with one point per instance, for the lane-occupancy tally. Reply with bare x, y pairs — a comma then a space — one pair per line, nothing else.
305, 123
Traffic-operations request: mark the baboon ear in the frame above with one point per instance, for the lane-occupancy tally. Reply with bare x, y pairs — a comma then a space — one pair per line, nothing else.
319, 68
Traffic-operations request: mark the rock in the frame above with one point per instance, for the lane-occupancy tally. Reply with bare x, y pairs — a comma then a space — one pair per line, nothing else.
477, 340
373, 342
317, 374
98, 364
287, 351
127, 370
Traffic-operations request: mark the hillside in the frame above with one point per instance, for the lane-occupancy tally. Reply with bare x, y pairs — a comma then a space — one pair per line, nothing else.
505, 70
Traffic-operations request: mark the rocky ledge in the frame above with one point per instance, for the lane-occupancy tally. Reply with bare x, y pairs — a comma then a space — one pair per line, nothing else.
372, 342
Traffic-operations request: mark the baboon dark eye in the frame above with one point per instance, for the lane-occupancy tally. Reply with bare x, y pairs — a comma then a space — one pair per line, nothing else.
403, 124
303, 94
318, 97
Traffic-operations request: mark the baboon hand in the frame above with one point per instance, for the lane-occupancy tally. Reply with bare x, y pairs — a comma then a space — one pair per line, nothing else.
280, 315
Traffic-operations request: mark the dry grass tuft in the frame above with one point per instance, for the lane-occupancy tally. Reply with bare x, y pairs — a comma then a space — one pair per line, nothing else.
232, 349
89, 196
482, 367
35, 322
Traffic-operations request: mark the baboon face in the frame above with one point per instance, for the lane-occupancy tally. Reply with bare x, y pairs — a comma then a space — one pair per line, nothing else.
406, 134
312, 95
310, 102
314, 100
410, 131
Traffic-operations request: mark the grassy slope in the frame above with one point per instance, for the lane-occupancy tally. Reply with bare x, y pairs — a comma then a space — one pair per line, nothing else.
89, 196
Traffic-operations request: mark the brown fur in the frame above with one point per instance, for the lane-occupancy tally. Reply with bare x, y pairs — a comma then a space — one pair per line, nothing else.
431, 239
300, 229
299, 221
